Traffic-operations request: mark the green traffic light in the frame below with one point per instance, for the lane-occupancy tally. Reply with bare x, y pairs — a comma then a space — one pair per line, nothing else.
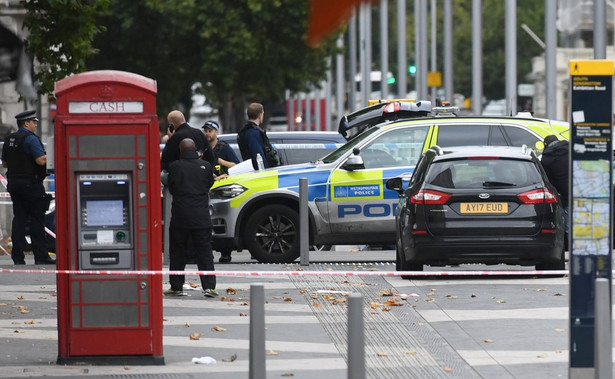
412, 69
391, 81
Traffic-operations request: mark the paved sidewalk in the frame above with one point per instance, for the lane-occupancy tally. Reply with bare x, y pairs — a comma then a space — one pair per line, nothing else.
444, 329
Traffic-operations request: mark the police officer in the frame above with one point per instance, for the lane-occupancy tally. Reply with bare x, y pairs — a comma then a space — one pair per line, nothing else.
25, 158
223, 152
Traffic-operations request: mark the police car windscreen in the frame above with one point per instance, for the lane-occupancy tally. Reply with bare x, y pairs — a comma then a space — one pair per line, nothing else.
105, 213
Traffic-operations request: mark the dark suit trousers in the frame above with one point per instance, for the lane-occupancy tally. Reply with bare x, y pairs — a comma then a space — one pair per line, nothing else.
178, 246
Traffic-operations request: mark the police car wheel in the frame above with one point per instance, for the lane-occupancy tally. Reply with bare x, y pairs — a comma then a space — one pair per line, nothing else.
272, 234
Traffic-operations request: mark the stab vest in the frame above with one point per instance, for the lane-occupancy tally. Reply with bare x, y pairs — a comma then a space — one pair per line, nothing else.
21, 165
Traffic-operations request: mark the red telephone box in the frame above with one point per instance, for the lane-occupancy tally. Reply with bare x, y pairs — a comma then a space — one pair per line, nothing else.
108, 217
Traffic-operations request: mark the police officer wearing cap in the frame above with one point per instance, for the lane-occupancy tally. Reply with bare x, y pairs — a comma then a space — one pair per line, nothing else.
25, 158
223, 152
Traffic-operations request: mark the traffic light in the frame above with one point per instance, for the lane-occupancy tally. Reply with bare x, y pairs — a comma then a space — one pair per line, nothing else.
412, 69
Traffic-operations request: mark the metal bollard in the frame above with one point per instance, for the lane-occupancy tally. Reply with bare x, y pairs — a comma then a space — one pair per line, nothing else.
304, 229
356, 337
257, 332
603, 355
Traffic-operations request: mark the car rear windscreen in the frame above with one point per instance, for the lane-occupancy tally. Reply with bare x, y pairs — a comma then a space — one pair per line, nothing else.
477, 173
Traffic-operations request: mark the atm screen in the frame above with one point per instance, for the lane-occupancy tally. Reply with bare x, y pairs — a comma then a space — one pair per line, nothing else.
104, 213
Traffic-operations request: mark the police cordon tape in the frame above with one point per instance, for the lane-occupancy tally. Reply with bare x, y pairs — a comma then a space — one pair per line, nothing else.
293, 273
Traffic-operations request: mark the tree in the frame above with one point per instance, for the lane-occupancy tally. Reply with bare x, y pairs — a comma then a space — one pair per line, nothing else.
61, 34
241, 50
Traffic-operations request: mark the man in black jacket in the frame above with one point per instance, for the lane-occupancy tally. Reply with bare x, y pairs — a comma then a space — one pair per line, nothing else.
556, 162
253, 141
181, 131
189, 181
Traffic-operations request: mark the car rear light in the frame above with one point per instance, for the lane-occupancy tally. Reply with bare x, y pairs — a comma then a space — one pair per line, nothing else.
539, 196
392, 107
429, 197
419, 232
548, 231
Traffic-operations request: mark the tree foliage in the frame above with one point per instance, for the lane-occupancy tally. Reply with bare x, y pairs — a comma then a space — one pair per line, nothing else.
60, 37
241, 50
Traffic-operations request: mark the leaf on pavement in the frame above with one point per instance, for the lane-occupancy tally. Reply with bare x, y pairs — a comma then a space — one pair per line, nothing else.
543, 355
489, 340
271, 352
24, 311
447, 369
340, 300
187, 325
560, 330
386, 309
558, 351
288, 374
381, 354
316, 305
559, 294
232, 358
3, 304
288, 299
431, 293
386, 292
242, 314
31, 322
20, 297
195, 336
374, 305
218, 329
500, 301
231, 291
410, 352
193, 285
393, 303
430, 300
452, 296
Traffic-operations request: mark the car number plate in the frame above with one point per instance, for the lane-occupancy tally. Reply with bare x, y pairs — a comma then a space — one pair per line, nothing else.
484, 208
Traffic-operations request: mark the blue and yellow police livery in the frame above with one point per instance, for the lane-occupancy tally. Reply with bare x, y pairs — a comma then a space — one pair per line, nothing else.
347, 199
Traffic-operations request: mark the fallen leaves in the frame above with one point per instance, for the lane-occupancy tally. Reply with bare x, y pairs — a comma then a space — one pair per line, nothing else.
218, 329
271, 352
489, 340
233, 358
231, 291
381, 354
195, 336
393, 303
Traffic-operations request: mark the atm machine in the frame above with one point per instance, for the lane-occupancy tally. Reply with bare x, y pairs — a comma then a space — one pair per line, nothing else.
104, 226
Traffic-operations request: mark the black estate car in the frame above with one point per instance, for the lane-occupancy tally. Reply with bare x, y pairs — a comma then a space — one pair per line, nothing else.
478, 204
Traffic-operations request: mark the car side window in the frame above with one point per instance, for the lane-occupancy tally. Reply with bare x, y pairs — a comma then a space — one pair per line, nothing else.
519, 136
399, 147
462, 135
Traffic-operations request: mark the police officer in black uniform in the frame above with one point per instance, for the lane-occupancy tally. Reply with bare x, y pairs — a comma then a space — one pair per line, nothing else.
24, 156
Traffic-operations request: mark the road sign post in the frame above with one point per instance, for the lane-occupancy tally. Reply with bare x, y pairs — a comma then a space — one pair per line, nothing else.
590, 168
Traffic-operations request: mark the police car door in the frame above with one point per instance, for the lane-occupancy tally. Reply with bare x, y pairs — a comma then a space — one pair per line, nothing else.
360, 203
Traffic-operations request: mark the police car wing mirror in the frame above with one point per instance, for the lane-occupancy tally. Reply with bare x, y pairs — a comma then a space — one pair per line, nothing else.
395, 184
354, 162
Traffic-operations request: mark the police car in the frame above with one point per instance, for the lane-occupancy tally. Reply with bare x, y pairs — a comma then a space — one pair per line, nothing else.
347, 199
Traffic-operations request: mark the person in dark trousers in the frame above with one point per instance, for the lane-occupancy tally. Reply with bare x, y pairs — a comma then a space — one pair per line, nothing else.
223, 153
556, 162
252, 139
182, 130
25, 157
189, 181
226, 158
